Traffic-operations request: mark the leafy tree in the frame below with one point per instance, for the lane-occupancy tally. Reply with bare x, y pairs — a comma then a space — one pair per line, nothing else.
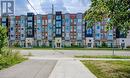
3, 38
116, 10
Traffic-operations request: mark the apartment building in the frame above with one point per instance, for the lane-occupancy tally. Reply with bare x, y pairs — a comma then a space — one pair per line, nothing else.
60, 30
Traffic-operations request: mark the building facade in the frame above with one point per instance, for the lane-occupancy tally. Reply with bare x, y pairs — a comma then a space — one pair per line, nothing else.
60, 30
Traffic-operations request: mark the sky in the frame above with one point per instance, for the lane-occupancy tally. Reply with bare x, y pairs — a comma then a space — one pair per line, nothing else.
45, 6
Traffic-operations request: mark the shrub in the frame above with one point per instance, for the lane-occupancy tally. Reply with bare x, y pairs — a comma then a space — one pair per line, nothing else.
128, 47
104, 45
10, 58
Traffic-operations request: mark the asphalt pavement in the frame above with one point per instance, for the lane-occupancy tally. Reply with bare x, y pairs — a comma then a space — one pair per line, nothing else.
29, 69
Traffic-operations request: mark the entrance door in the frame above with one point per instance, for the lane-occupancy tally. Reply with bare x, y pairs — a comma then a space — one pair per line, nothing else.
89, 44
29, 45
58, 45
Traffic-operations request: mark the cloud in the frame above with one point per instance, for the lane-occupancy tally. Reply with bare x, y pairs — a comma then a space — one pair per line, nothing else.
21, 7
58, 6
45, 6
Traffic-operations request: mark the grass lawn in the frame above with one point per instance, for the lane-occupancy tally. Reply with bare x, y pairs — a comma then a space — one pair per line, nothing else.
109, 69
105, 56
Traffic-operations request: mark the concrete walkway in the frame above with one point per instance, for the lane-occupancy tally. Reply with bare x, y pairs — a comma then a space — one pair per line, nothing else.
29, 69
70, 69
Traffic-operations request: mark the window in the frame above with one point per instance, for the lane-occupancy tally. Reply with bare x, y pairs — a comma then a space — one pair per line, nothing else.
79, 20
97, 36
54, 21
89, 31
45, 22
75, 20
39, 21
29, 32
71, 28
42, 22
22, 35
4, 19
79, 28
45, 29
110, 36
63, 29
74, 28
22, 21
98, 27
12, 22
67, 28
83, 21
79, 35
35, 22
67, 21
58, 17
11, 28
89, 44
58, 24
49, 21
71, 20
11, 35
29, 24
58, 31
29, 18
67, 34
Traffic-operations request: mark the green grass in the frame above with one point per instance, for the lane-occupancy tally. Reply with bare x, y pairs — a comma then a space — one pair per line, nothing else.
109, 69
105, 56
11, 59
117, 49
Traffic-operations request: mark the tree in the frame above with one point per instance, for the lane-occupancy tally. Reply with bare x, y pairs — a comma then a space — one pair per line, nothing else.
3, 38
116, 10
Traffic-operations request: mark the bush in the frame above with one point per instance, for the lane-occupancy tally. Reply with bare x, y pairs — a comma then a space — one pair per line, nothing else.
128, 47
10, 58
104, 45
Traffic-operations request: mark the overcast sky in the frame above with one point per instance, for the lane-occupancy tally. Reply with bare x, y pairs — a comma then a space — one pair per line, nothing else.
45, 6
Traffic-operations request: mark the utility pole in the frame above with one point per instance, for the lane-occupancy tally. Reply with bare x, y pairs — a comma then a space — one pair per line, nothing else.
53, 38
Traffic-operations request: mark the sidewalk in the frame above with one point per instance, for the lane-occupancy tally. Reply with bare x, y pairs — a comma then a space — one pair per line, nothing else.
71, 58
71, 69
29, 69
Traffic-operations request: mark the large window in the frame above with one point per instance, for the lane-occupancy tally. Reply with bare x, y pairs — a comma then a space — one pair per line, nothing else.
4, 19
29, 24
67, 28
29, 18
58, 31
67, 21
89, 31
58, 24
58, 17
